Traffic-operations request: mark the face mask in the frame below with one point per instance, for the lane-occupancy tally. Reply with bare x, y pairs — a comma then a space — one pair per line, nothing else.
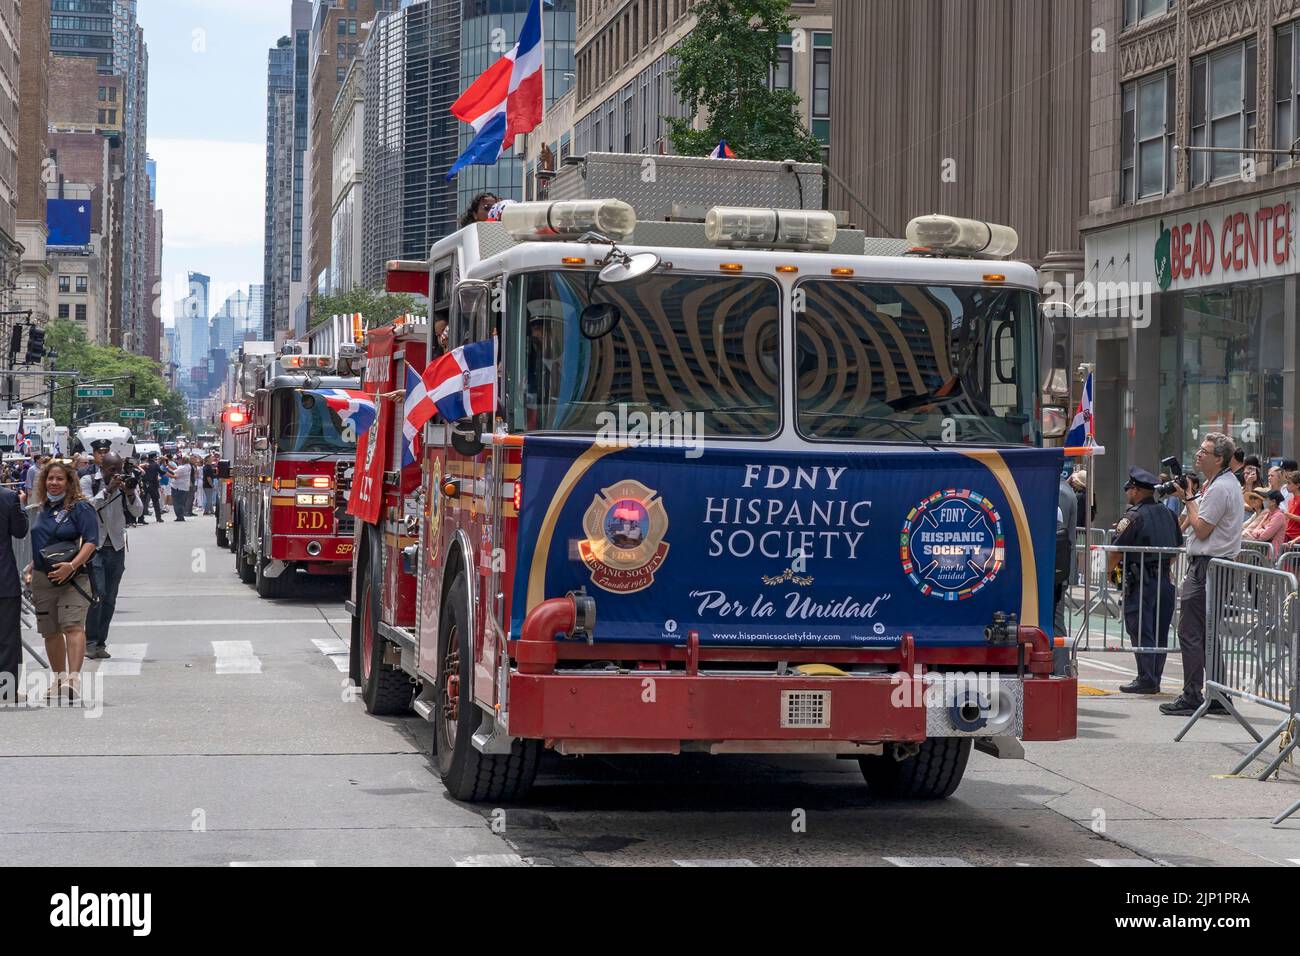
55, 499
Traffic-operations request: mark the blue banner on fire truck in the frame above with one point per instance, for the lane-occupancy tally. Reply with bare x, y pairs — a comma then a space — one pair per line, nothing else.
762, 547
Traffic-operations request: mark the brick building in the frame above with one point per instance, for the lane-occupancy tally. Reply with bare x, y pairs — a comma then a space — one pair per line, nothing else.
33, 121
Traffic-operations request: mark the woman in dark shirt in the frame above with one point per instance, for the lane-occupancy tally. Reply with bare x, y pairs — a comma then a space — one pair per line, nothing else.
62, 593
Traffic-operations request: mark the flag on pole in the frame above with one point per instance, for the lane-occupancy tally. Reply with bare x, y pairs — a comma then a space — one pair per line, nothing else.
722, 152
508, 99
1081, 429
415, 393
457, 386
21, 442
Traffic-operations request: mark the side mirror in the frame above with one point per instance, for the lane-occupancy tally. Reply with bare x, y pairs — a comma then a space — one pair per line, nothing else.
261, 444
471, 309
223, 468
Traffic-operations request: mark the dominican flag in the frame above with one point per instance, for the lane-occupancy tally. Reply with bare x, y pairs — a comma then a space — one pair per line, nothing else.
722, 152
21, 441
1081, 430
506, 100
355, 408
457, 386
415, 393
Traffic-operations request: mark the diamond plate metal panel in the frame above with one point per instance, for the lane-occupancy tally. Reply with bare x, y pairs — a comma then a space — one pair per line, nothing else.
1012, 691
654, 184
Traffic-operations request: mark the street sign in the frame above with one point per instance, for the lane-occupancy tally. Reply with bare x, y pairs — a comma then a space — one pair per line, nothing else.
132, 413
94, 391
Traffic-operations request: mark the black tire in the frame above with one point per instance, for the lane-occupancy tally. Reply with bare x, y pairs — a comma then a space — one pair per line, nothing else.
242, 567
385, 689
467, 774
223, 539
279, 587
933, 774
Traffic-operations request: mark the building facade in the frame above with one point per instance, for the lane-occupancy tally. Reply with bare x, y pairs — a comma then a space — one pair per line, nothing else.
276, 268
410, 136
32, 133
339, 28
275, 317
349, 169
10, 250
1191, 223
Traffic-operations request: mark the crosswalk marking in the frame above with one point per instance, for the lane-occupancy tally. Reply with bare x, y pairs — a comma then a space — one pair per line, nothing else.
1134, 862
926, 861
714, 863
125, 662
492, 859
335, 650
236, 623
236, 657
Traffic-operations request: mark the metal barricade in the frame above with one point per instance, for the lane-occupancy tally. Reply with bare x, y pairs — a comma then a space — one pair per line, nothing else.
1136, 610
1259, 554
1289, 561
1085, 540
1251, 652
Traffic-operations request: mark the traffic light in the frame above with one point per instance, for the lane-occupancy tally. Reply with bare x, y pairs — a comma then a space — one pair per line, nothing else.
35, 346
15, 342
131, 390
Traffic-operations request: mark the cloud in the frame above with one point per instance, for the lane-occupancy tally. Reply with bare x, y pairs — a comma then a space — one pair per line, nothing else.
212, 194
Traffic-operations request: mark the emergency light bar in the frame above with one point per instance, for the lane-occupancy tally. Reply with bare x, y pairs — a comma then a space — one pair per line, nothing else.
964, 237
306, 361
533, 221
799, 229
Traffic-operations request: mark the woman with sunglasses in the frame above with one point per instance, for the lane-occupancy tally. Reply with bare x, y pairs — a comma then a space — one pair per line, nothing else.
480, 210
63, 520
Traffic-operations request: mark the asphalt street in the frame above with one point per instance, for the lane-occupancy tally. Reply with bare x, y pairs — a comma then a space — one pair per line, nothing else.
228, 735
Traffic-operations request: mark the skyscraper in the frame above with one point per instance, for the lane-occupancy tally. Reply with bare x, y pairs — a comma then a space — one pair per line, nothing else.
279, 79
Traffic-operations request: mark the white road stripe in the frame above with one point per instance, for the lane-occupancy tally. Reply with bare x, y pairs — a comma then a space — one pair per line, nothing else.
926, 861
273, 863
1125, 863
492, 859
715, 863
125, 662
335, 650
236, 657
1113, 668
235, 623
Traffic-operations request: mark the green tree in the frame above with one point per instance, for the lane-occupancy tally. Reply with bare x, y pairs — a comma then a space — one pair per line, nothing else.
722, 75
107, 364
379, 308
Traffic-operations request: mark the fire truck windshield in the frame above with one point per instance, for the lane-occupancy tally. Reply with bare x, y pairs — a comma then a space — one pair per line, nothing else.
304, 423
674, 343
882, 362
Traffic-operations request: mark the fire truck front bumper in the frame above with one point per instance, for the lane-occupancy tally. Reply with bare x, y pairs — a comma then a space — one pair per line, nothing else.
315, 554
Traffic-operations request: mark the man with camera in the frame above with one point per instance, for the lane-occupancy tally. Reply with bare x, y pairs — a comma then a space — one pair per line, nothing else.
1148, 586
1214, 519
115, 498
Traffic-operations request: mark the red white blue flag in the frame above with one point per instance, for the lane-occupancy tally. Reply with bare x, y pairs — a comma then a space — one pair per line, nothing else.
722, 152
1081, 429
354, 408
415, 392
457, 386
508, 99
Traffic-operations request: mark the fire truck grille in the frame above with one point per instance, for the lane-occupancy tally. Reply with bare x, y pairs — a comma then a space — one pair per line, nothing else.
805, 708
347, 524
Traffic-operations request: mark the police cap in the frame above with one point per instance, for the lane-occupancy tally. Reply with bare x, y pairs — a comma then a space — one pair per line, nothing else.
1141, 478
101, 444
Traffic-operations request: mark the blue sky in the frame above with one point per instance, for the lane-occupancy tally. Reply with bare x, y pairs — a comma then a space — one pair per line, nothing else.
207, 130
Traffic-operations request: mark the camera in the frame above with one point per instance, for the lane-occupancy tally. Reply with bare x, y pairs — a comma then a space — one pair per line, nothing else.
131, 482
1179, 480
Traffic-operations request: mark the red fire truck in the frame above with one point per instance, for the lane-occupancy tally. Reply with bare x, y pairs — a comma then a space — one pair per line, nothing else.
290, 469
234, 415
747, 489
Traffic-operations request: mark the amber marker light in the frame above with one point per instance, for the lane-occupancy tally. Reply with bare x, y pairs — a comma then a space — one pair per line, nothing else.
732, 267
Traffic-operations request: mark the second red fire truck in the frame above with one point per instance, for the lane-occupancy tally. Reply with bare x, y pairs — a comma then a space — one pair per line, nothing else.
290, 468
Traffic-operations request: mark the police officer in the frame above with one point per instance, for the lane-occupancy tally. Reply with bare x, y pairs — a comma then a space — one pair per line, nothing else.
1148, 587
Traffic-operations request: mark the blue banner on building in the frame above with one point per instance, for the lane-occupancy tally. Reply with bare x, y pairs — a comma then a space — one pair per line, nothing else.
766, 547
69, 222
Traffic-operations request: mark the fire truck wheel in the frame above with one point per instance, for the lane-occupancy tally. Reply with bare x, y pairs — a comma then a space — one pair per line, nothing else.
932, 774
466, 773
278, 587
386, 689
223, 539
242, 567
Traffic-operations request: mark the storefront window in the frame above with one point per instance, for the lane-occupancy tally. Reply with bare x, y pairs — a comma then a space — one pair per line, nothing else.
1231, 347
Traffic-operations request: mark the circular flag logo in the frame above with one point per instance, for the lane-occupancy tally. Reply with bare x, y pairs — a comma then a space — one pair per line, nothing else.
952, 544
